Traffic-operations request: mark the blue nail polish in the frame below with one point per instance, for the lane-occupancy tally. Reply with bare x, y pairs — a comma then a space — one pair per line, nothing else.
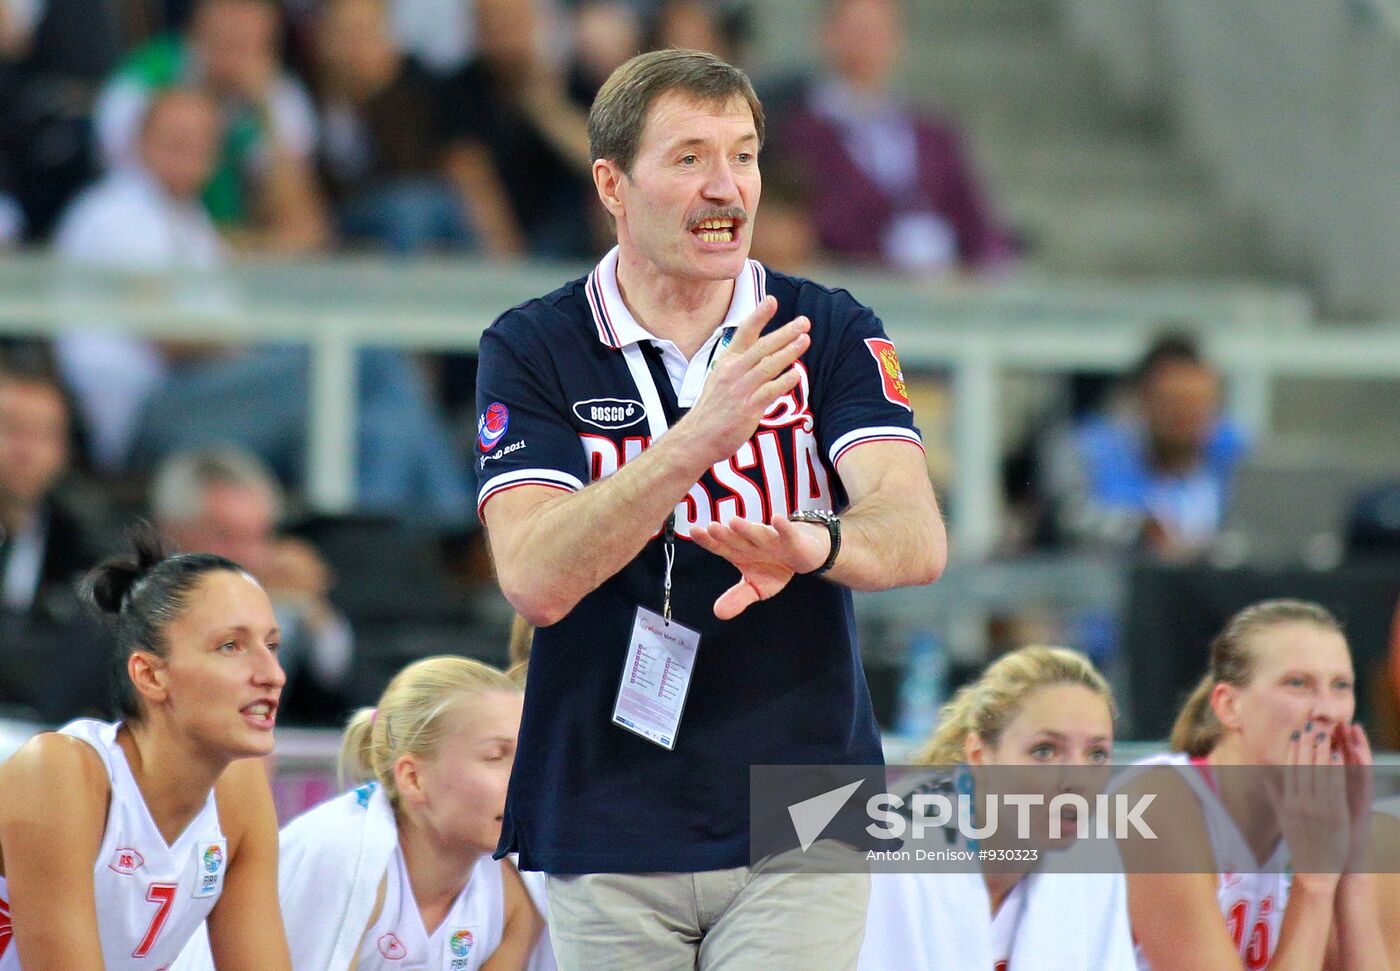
1295, 736
1321, 737
1307, 727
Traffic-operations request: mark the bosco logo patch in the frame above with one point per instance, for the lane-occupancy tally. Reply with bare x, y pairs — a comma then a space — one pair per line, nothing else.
891, 374
609, 412
126, 861
392, 948
492, 425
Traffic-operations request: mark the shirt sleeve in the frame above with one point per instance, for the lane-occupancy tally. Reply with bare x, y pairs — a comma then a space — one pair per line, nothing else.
523, 433
863, 397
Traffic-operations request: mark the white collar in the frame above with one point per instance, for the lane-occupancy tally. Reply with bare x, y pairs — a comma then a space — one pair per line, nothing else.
618, 328
840, 103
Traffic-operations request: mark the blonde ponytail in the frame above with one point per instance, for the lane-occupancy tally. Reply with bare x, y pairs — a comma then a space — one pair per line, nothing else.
408, 719
355, 764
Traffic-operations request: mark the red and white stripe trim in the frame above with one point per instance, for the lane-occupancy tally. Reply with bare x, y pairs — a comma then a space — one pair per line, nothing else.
890, 433
549, 478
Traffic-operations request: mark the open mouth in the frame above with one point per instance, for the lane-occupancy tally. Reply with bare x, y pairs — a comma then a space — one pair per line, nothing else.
262, 712
716, 230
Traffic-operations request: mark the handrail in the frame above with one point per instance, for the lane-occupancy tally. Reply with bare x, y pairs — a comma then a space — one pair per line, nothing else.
975, 329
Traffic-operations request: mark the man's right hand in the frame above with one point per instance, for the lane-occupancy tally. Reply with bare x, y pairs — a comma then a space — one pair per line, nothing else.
752, 373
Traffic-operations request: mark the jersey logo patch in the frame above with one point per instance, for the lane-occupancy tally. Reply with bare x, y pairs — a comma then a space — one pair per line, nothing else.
211, 868
491, 427
609, 412
891, 374
392, 948
461, 943
126, 861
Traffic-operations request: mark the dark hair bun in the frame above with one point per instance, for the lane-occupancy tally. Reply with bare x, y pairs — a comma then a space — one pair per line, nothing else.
109, 583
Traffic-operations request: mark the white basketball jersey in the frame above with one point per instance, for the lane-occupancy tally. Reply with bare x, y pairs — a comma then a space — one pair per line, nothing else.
1005, 923
151, 897
1252, 895
471, 932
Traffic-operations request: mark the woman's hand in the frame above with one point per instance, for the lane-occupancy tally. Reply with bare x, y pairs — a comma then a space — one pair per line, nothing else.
1311, 802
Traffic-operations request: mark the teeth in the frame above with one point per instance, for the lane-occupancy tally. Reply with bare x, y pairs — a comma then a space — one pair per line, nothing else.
260, 710
717, 224
717, 237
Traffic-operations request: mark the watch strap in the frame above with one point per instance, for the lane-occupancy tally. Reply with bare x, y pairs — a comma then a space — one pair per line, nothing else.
833, 528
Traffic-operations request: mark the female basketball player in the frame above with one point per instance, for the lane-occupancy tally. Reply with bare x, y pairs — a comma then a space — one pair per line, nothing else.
1039, 706
1279, 693
118, 840
404, 862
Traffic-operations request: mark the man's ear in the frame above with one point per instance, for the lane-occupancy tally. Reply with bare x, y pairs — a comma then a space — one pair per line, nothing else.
607, 178
150, 675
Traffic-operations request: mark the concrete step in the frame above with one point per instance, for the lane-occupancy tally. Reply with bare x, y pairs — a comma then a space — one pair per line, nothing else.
1129, 233
1083, 169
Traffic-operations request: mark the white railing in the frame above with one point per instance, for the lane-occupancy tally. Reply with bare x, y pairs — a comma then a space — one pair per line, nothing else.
977, 331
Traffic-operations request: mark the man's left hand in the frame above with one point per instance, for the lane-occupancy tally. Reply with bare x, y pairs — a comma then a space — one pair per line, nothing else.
767, 556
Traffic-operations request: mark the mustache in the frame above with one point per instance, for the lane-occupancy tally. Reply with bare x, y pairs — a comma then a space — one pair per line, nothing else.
736, 213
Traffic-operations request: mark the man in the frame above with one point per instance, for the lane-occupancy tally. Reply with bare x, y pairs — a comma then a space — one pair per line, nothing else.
635, 804
52, 658
517, 142
224, 501
380, 159
143, 217
263, 187
1159, 474
890, 184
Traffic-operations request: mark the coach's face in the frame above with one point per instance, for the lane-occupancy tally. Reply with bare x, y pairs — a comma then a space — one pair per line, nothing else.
687, 205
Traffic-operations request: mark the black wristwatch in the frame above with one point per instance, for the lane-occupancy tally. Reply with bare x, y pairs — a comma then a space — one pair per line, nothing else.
832, 522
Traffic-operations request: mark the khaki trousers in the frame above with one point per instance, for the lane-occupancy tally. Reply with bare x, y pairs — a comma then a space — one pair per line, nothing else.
727, 920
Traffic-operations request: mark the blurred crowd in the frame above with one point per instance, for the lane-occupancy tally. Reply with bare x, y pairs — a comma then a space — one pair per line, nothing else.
167, 136
405, 126
164, 138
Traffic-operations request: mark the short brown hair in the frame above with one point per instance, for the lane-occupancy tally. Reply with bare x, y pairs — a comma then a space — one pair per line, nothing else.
619, 112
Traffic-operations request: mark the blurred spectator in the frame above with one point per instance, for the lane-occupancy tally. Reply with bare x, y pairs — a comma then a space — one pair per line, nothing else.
890, 184
11, 212
518, 144
785, 232
144, 217
54, 54
53, 656
381, 154
606, 33
698, 25
407, 462
1157, 474
262, 189
439, 34
224, 501
145, 399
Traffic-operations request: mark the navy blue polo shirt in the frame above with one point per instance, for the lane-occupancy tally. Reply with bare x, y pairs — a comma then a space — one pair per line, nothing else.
781, 683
